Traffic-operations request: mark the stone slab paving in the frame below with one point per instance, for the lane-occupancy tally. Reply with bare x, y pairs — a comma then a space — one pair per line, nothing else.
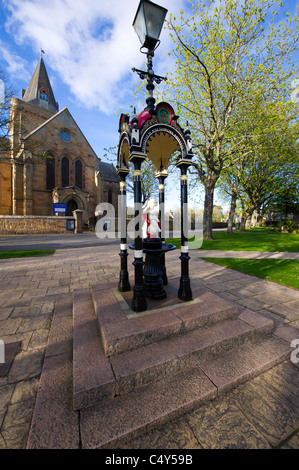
28, 293
260, 414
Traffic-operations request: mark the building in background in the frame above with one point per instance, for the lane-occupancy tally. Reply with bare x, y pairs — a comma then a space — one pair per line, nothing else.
50, 160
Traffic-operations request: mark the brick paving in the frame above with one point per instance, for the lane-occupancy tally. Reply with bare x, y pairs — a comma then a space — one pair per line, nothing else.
28, 291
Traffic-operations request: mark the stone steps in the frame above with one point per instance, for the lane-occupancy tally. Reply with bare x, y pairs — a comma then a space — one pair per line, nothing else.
114, 422
120, 334
97, 376
138, 368
78, 375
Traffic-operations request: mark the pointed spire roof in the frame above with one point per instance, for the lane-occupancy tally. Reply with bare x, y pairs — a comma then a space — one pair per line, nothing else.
39, 90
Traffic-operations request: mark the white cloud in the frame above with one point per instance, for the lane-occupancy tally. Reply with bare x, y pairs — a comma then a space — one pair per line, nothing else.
15, 65
91, 44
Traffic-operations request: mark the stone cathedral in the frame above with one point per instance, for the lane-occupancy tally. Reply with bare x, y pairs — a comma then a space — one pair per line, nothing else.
50, 160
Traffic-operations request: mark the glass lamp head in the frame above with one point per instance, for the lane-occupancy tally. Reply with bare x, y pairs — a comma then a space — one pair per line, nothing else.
148, 23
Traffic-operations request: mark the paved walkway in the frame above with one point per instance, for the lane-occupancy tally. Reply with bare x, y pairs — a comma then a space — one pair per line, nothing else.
29, 287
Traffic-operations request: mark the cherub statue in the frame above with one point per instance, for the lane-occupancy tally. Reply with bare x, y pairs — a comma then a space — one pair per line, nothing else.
151, 225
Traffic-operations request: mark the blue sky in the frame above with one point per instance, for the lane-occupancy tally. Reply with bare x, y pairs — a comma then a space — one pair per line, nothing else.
90, 48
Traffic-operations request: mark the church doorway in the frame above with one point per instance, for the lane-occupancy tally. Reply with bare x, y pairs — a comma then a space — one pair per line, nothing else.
71, 206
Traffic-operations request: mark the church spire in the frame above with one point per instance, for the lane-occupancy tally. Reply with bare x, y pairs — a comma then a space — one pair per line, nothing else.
39, 90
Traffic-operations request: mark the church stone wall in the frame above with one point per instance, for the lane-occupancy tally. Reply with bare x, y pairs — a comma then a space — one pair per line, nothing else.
18, 188
21, 225
77, 148
5, 188
42, 203
27, 117
41, 197
108, 191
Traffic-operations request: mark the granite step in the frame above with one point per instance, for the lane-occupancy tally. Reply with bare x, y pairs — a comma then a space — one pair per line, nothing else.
93, 378
97, 377
121, 333
135, 369
114, 422
111, 423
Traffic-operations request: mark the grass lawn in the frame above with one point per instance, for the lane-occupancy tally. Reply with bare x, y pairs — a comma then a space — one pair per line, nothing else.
258, 239
21, 254
282, 271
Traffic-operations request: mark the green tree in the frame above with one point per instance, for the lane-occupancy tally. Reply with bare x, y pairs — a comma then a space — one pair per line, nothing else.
6, 94
149, 182
266, 176
274, 161
267, 159
217, 213
230, 187
285, 200
225, 53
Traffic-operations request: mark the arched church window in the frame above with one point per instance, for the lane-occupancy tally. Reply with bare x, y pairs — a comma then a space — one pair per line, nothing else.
65, 167
50, 171
78, 174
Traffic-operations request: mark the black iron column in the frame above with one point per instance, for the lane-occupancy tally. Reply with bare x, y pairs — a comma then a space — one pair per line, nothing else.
185, 292
151, 78
123, 285
139, 303
161, 177
150, 82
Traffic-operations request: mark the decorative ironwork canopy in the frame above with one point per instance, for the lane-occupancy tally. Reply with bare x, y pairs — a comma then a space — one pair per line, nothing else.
153, 134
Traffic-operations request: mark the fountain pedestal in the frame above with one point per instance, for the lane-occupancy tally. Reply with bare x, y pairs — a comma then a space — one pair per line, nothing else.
152, 271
